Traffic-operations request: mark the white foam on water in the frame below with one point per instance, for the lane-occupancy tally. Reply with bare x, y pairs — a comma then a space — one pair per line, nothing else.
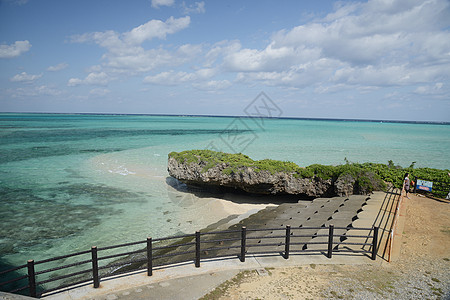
121, 170
165, 210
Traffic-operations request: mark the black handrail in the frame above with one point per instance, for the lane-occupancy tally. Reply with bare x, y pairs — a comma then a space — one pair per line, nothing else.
198, 247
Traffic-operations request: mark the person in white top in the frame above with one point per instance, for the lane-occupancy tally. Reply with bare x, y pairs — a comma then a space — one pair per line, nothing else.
406, 184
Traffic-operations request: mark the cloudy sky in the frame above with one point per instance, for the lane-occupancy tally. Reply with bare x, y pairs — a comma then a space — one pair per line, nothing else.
376, 59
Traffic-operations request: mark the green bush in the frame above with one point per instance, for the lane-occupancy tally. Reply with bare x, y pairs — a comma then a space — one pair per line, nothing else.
369, 176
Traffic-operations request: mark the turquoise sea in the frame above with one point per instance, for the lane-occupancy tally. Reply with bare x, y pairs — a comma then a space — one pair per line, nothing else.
68, 182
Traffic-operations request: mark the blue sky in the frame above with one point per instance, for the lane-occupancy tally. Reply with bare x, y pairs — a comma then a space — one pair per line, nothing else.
378, 59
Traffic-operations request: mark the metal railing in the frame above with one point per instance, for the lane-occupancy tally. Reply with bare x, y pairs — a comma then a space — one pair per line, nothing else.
393, 230
385, 221
92, 265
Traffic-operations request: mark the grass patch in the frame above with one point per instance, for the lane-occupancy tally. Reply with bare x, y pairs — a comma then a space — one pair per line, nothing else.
446, 230
437, 291
336, 295
269, 269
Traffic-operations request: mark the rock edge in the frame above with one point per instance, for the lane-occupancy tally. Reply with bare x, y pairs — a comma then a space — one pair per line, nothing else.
249, 180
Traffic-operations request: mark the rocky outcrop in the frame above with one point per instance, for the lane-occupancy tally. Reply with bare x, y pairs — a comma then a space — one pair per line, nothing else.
345, 185
249, 180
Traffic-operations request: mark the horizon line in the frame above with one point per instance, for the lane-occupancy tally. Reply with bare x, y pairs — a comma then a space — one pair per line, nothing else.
238, 116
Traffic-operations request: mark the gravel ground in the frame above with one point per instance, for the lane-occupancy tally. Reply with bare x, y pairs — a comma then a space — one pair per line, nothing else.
422, 271
427, 280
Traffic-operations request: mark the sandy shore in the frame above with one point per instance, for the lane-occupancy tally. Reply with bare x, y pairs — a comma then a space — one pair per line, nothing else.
422, 271
191, 209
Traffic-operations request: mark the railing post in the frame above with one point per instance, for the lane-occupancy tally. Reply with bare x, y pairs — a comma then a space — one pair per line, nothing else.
95, 267
31, 278
149, 257
243, 240
197, 249
374, 243
330, 240
287, 242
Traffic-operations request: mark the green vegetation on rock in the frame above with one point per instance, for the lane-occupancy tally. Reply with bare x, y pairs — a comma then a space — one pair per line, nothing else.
367, 176
236, 162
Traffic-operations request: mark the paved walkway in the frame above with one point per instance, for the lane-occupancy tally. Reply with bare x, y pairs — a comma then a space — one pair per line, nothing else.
185, 281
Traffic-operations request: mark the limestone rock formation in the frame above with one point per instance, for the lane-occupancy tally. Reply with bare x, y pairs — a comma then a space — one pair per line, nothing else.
251, 181
218, 170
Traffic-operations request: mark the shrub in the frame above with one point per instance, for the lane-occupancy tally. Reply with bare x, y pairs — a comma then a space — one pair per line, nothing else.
368, 176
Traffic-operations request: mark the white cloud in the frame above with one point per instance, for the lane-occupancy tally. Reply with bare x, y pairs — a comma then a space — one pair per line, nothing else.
126, 55
436, 89
155, 29
206, 73
24, 77
158, 3
57, 67
219, 50
197, 7
146, 60
92, 79
270, 59
388, 75
213, 85
189, 50
378, 43
17, 2
14, 50
126, 42
361, 46
298, 76
34, 91
99, 92
175, 78
170, 78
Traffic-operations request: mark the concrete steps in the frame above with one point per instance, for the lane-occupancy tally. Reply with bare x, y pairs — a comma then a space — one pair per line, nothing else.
319, 213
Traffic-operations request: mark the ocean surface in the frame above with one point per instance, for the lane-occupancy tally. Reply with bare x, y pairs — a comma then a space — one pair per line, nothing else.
68, 182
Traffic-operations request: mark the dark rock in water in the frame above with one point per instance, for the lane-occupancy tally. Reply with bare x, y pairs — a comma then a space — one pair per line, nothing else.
217, 175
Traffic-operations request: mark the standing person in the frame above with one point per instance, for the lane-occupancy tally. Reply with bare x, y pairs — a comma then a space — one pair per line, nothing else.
448, 195
406, 184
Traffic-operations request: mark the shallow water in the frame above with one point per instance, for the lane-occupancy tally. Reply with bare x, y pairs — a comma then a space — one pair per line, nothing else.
68, 182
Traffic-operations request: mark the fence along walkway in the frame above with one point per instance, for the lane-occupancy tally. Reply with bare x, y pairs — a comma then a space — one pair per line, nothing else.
385, 222
299, 228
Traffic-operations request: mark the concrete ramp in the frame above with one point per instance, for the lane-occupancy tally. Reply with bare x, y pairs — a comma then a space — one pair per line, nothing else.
352, 211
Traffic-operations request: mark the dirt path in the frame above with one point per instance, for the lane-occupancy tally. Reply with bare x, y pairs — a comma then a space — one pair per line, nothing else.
421, 272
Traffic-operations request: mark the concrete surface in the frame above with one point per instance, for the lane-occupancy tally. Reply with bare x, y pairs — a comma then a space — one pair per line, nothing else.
187, 282
8, 296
